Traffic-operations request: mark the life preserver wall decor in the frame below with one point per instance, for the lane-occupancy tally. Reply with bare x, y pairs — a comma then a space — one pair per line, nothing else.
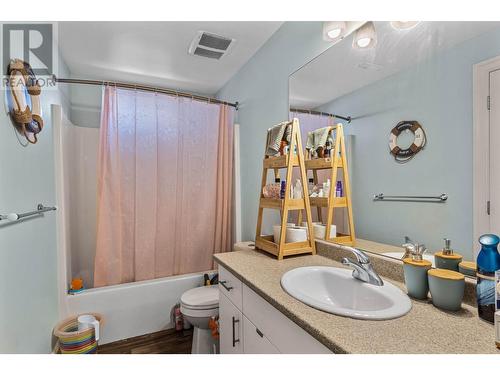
403, 155
23, 100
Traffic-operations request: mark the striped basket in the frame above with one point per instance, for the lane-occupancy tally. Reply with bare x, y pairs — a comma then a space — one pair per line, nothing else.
72, 341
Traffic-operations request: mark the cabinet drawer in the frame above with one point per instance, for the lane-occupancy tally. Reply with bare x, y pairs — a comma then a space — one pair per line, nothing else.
230, 327
254, 341
284, 334
230, 286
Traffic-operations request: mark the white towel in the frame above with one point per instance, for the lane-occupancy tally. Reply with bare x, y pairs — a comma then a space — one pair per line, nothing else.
317, 138
275, 135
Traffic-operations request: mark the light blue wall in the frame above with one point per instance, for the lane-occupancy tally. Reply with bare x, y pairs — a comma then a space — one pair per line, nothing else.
28, 256
261, 88
437, 93
441, 101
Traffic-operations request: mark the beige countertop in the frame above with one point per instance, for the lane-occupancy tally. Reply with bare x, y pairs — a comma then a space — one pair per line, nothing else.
425, 329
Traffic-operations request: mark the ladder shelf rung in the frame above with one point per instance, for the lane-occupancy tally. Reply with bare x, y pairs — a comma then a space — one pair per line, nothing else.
323, 163
323, 201
278, 204
276, 162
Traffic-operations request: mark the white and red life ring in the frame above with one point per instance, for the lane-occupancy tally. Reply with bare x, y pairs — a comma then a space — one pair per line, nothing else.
419, 140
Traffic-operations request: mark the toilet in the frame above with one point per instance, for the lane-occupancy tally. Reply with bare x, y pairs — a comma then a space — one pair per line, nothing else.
198, 305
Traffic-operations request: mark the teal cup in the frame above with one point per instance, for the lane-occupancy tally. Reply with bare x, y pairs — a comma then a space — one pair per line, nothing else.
416, 280
447, 288
468, 268
447, 262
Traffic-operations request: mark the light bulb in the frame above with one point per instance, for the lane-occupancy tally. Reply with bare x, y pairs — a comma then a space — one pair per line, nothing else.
334, 30
365, 36
363, 42
332, 34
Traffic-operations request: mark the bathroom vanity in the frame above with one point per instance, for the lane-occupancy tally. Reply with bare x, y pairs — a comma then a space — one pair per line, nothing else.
258, 316
251, 325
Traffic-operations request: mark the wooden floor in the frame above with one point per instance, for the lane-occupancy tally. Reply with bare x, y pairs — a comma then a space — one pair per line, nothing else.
163, 342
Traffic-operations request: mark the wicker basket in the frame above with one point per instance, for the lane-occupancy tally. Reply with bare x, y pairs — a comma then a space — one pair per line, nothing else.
72, 341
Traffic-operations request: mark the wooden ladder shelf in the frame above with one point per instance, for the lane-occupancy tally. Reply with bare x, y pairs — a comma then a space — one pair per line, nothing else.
338, 160
288, 162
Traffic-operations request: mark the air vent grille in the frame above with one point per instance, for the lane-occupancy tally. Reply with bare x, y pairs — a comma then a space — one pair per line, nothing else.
210, 45
214, 41
208, 53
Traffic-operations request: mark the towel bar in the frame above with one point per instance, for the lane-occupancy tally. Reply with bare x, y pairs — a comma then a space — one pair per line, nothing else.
40, 209
411, 198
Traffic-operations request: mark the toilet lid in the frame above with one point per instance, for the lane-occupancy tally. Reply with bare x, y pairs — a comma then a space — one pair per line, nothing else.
204, 297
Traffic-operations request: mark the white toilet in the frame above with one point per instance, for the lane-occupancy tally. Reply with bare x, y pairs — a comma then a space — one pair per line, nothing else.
198, 305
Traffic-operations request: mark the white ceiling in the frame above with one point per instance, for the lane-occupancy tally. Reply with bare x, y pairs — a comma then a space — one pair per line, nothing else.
156, 53
337, 71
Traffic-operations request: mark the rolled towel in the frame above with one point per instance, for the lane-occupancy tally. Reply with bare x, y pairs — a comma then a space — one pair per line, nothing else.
317, 138
275, 135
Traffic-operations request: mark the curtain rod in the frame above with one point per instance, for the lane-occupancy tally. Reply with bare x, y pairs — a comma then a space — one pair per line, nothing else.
348, 118
146, 88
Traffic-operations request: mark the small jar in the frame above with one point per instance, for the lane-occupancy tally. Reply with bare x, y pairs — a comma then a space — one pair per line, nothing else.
468, 268
415, 272
447, 288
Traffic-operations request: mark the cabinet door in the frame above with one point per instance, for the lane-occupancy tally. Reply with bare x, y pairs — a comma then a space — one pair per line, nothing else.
284, 334
254, 341
230, 327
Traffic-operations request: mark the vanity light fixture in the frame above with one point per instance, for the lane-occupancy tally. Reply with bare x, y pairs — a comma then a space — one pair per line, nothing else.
365, 36
404, 25
334, 30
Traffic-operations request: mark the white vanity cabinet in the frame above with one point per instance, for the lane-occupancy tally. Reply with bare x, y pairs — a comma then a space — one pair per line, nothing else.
249, 324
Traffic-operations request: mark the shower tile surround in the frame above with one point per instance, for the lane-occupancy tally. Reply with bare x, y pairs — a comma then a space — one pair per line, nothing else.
425, 329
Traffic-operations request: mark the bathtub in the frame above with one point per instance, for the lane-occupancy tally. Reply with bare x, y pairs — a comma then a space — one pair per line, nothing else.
136, 308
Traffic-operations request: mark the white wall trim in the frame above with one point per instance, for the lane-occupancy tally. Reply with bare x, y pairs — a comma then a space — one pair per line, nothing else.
237, 184
480, 142
63, 258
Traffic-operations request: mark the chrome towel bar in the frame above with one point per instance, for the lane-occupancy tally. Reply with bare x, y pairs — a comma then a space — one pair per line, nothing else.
411, 198
40, 209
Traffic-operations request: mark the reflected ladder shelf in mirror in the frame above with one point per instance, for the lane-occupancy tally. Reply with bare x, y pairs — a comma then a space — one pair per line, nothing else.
287, 204
334, 163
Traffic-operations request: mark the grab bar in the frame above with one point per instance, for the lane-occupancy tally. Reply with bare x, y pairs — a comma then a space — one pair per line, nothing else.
40, 209
411, 198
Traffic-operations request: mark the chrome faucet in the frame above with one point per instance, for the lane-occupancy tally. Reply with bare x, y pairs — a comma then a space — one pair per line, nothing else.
409, 247
362, 267
412, 249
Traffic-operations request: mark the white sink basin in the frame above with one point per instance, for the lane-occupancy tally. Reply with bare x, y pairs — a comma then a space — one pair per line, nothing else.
335, 291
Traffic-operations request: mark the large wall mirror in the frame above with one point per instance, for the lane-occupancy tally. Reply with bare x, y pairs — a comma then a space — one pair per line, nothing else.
424, 75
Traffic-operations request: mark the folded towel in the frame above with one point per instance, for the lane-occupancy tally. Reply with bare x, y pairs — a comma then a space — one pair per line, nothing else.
275, 135
317, 138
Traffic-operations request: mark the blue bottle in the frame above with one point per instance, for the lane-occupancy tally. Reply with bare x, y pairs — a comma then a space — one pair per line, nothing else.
488, 261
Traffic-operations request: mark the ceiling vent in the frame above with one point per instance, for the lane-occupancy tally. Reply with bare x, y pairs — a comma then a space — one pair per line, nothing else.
210, 45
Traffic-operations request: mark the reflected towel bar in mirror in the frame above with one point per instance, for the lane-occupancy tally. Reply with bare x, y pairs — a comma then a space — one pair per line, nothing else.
411, 198
40, 209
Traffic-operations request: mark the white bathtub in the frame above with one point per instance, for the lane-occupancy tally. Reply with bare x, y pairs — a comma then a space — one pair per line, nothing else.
136, 308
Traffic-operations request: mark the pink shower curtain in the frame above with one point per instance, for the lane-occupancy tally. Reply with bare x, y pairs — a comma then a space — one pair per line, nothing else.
164, 186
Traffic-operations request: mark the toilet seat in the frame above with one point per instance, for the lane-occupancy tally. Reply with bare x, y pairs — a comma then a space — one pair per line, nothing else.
199, 313
201, 298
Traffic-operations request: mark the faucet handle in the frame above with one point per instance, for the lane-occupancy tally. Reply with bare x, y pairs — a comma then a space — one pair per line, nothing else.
360, 256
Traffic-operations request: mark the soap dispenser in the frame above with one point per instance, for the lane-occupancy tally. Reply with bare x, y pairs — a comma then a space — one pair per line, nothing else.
415, 271
447, 258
